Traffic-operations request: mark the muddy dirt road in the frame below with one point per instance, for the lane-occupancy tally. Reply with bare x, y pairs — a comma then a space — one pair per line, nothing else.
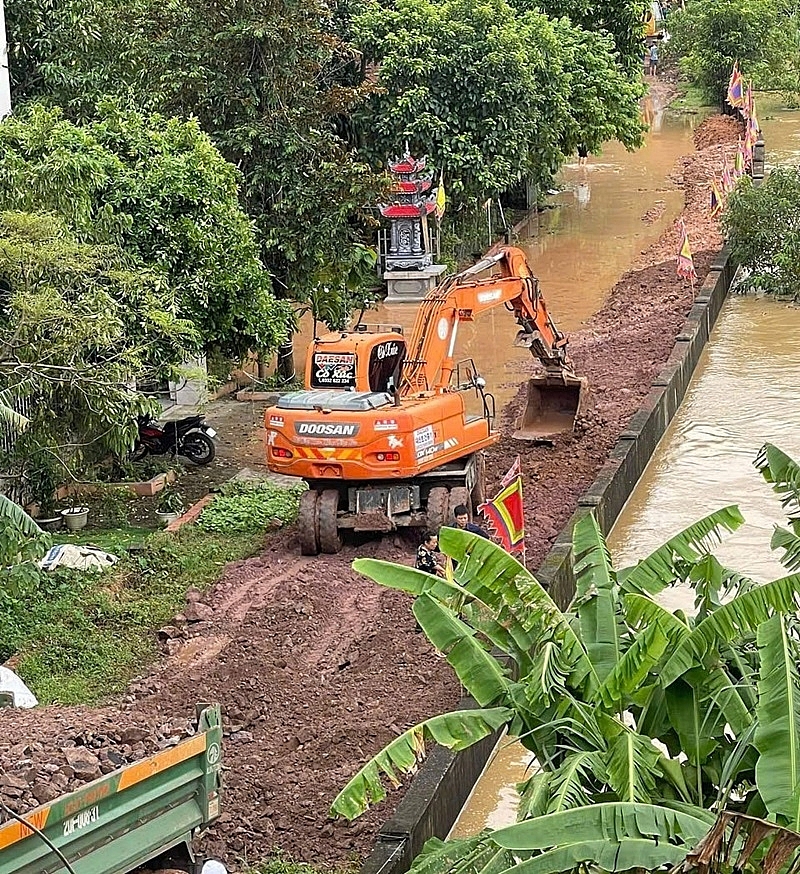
316, 668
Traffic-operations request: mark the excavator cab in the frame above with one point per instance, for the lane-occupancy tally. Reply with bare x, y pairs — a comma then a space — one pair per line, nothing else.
361, 361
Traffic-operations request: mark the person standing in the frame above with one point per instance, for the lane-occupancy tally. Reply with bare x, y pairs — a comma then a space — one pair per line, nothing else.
461, 514
427, 555
653, 56
583, 154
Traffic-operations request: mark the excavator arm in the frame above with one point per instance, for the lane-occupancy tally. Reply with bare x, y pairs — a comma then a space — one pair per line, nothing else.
463, 297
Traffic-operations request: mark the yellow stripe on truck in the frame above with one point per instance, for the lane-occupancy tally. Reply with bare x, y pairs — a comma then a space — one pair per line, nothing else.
160, 762
15, 831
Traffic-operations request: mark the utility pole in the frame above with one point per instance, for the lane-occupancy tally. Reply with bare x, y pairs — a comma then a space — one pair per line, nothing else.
5, 84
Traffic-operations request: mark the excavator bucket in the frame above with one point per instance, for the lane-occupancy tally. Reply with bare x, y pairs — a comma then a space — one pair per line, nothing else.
552, 406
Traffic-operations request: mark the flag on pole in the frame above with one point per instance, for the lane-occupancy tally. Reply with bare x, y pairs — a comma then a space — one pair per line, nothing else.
748, 103
716, 199
505, 514
685, 262
739, 161
736, 87
727, 180
441, 198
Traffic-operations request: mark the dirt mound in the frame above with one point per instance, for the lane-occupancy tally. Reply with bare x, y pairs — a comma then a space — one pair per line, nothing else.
716, 130
78, 745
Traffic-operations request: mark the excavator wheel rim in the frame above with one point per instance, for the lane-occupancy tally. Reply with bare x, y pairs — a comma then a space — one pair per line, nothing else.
328, 506
438, 505
458, 495
479, 489
308, 521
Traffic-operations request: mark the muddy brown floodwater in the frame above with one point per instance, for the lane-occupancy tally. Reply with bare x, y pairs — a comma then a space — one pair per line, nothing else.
744, 393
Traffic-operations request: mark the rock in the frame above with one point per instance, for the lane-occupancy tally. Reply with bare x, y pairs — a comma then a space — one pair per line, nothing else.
133, 735
44, 792
196, 611
85, 765
193, 595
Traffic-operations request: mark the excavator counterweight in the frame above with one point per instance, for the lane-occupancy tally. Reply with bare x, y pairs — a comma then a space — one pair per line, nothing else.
381, 432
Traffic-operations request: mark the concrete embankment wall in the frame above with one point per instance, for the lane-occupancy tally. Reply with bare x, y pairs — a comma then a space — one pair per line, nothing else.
442, 785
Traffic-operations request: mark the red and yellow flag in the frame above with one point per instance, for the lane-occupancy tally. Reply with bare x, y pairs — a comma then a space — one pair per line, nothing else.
685, 262
505, 514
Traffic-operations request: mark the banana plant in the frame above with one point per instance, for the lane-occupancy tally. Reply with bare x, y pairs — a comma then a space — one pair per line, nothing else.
622, 701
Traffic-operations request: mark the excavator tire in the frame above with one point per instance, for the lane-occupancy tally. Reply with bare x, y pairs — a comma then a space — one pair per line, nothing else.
479, 489
328, 506
438, 506
458, 495
308, 523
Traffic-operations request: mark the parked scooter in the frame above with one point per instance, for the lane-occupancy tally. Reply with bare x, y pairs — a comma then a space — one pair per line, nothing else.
190, 437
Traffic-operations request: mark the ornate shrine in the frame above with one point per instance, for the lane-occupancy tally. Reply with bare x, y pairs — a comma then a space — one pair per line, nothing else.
409, 237
408, 261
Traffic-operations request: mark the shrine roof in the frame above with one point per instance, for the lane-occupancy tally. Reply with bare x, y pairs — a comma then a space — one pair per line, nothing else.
419, 185
407, 210
407, 164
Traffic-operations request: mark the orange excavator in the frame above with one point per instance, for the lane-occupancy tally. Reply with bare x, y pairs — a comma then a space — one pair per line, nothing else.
381, 432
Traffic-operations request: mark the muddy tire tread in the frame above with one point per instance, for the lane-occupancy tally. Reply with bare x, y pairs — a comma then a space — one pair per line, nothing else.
308, 523
479, 489
438, 505
330, 540
458, 495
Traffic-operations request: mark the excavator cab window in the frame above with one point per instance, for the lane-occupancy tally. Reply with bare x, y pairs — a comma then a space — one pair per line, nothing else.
385, 365
333, 370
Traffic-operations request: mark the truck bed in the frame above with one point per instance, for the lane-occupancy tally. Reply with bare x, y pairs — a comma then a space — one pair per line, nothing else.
126, 818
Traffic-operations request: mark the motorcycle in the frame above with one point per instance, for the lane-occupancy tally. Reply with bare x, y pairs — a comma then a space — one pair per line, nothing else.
190, 437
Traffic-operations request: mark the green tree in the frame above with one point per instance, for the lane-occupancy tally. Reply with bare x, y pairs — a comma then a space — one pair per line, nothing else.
264, 81
159, 190
632, 711
763, 226
711, 34
78, 322
491, 96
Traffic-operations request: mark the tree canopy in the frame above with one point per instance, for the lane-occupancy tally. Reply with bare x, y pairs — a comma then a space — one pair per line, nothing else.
78, 322
763, 227
493, 96
762, 35
160, 191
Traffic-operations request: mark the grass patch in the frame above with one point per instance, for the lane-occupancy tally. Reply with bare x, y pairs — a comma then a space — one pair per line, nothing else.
80, 637
245, 506
690, 99
281, 864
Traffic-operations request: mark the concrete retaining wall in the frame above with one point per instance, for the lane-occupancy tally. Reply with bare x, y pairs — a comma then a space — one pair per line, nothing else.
442, 785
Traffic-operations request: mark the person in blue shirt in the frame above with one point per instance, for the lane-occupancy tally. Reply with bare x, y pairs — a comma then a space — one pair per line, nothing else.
461, 514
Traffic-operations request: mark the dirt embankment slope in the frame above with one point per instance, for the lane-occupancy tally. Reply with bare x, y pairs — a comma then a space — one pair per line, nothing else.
317, 668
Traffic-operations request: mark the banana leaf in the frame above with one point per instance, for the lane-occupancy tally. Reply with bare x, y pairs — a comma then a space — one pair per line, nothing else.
783, 473
456, 731
11, 512
777, 737
740, 616
631, 764
479, 672
788, 541
596, 596
611, 821
658, 570
647, 855
637, 662
570, 784
15, 422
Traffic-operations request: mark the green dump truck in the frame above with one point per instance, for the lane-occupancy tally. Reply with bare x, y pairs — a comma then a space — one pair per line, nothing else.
144, 813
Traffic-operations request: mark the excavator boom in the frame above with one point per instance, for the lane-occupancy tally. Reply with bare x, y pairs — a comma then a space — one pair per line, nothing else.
553, 400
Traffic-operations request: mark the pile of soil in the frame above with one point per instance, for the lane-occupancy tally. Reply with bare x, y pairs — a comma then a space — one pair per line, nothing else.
318, 668
78, 745
718, 130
